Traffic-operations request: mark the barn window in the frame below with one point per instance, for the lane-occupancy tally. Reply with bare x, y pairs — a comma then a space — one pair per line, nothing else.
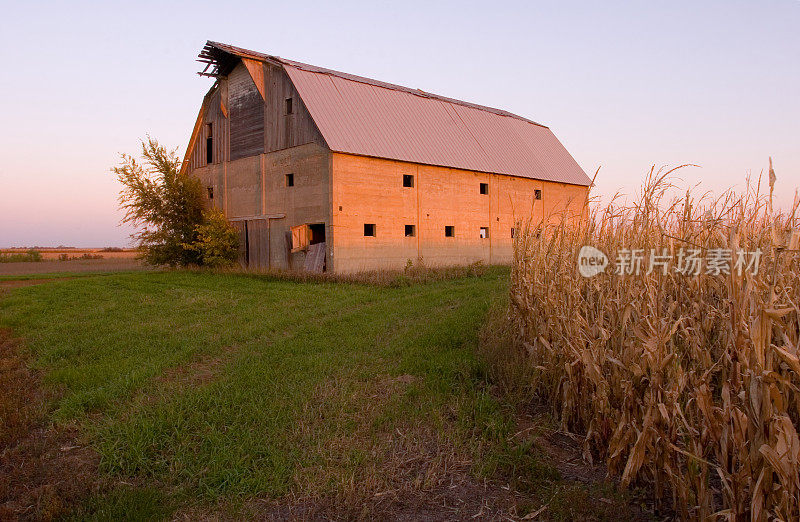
484, 188
209, 143
410, 231
290, 180
408, 180
369, 229
537, 194
484, 232
210, 192
449, 231
289, 106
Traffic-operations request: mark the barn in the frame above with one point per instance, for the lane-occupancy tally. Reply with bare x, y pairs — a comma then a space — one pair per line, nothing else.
324, 170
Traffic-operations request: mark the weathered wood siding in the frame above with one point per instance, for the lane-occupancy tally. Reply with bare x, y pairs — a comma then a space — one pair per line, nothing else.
246, 111
284, 130
253, 125
212, 114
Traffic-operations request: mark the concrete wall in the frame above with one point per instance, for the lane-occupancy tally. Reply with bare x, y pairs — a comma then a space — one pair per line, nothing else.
370, 190
255, 187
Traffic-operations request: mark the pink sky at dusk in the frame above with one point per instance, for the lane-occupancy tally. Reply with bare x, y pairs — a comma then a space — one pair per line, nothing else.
624, 85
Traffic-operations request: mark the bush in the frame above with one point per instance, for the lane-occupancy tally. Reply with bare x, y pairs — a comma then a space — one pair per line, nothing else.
31, 256
217, 241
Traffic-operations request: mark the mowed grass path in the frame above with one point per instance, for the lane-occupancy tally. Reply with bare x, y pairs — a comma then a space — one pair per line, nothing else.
201, 387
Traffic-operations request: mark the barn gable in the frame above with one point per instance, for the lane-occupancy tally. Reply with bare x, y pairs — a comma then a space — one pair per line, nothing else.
366, 117
252, 109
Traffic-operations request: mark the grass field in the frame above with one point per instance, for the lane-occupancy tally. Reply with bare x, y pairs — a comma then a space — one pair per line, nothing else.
247, 395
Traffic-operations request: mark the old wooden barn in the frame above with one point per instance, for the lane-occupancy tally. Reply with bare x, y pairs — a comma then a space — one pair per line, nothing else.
320, 169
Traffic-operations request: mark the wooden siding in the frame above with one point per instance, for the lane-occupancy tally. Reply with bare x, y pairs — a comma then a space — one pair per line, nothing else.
246, 110
210, 113
282, 130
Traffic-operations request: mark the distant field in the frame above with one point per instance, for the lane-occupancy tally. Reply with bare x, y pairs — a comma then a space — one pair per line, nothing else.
77, 260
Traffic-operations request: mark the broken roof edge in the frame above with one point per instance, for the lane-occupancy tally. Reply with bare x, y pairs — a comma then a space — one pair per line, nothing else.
255, 55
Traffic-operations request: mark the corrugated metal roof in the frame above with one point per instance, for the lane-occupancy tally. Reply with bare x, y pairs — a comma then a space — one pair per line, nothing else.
366, 117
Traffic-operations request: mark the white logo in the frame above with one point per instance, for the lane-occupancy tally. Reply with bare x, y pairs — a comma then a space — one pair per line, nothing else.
591, 261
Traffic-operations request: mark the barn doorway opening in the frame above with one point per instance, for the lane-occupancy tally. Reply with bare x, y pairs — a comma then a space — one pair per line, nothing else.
317, 233
315, 257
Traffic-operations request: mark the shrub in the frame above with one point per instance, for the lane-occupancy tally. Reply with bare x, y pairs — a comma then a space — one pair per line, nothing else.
217, 241
31, 256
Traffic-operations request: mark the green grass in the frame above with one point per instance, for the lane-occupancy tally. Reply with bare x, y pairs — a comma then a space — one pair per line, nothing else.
292, 356
218, 388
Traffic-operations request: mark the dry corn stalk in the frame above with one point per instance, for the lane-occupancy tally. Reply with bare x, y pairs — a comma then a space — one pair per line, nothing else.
685, 383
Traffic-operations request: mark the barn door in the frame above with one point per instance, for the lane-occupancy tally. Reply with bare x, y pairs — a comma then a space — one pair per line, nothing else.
241, 227
257, 244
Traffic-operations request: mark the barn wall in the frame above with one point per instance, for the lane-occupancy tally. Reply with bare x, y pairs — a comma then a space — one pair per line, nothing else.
284, 130
256, 188
211, 113
308, 201
370, 190
246, 109
253, 125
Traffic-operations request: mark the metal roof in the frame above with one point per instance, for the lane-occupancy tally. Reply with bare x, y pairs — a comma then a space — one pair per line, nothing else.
367, 117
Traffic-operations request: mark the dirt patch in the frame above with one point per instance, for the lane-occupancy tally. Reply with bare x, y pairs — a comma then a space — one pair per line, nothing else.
44, 469
19, 283
461, 497
202, 370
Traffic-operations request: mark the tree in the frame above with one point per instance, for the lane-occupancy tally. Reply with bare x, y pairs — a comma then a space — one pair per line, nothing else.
166, 204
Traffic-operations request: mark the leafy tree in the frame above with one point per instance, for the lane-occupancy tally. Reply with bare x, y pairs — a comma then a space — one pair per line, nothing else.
166, 204
217, 242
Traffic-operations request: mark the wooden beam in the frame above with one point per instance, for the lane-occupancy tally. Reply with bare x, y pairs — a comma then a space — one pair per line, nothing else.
256, 70
223, 98
198, 125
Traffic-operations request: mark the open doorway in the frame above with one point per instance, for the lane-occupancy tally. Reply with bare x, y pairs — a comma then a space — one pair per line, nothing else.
317, 233
315, 246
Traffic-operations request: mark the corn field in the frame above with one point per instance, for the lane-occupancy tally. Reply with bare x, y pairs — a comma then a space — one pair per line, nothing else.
685, 384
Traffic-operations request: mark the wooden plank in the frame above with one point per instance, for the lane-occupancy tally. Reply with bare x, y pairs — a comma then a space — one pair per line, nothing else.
198, 126
256, 70
315, 258
300, 238
246, 110
259, 250
223, 99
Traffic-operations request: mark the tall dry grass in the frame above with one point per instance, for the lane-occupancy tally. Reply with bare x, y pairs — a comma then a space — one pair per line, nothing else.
688, 384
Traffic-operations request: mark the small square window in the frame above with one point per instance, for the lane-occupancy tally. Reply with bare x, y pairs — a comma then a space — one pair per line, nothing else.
210, 192
410, 231
484, 188
289, 106
369, 229
290, 180
408, 180
512, 232
449, 231
537, 194
484, 232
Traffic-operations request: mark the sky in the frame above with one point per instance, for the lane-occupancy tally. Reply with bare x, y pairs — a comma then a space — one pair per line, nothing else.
623, 85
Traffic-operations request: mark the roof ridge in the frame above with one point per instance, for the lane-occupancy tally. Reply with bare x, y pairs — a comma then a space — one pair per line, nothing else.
362, 79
